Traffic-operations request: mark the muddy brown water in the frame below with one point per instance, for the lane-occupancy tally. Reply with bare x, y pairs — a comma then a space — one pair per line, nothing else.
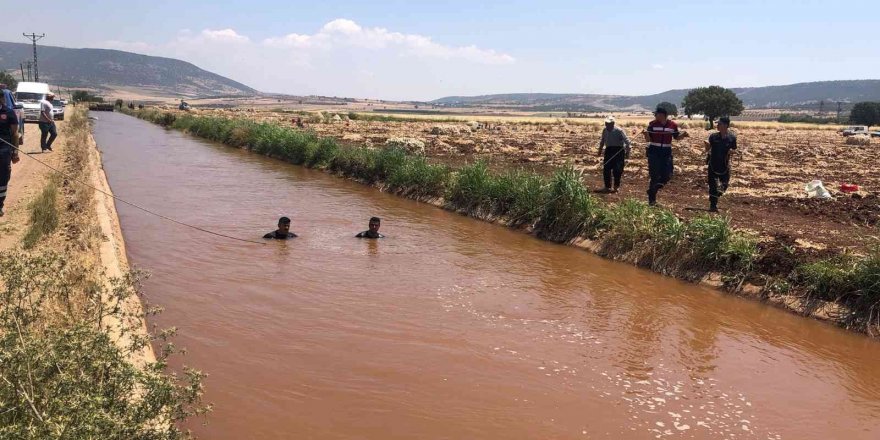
451, 328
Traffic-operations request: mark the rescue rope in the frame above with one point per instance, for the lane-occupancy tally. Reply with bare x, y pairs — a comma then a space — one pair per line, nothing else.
69, 177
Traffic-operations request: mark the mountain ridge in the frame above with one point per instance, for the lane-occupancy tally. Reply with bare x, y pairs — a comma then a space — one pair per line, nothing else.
106, 69
784, 96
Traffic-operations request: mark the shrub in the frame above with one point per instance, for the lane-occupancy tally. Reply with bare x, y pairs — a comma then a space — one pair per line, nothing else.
358, 163
43, 213
713, 242
63, 375
571, 210
849, 279
417, 177
471, 189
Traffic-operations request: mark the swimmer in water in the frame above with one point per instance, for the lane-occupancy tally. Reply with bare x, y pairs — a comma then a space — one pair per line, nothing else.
283, 231
373, 232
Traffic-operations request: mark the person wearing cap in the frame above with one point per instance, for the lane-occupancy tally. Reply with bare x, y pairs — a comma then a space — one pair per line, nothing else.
617, 147
659, 135
718, 148
47, 123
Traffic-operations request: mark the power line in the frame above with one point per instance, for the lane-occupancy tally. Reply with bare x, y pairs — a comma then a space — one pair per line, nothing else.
34, 38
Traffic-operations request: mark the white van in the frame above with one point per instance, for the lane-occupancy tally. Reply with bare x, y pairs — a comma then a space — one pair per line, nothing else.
29, 95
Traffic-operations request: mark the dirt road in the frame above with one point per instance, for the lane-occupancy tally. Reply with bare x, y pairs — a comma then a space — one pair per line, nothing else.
28, 179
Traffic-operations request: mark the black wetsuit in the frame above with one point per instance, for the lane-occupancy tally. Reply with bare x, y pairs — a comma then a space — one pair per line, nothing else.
369, 234
279, 235
7, 121
719, 165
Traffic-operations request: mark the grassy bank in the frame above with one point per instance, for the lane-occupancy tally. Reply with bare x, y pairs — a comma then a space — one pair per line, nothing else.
561, 209
66, 372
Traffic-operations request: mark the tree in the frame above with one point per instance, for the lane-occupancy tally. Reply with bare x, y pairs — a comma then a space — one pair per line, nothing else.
119, 103
9, 80
85, 96
712, 101
865, 113
670, 108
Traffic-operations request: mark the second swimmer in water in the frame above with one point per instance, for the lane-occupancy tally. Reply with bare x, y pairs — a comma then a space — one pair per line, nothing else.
373, 232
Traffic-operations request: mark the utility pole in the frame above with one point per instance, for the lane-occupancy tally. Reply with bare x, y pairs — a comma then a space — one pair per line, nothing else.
29, 65
21, 67
838, 111
34, 38
821, 106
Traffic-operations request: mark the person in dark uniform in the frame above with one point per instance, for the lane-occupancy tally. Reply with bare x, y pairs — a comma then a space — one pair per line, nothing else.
283, 231
8, 149
373, 232
616, 146
659, 135
719, 147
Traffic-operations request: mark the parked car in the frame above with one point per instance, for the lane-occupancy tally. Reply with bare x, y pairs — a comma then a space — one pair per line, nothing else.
854, 130
58, 109
875, 134
29, 94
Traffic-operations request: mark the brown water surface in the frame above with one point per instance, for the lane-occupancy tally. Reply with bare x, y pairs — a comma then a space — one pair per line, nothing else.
451, 328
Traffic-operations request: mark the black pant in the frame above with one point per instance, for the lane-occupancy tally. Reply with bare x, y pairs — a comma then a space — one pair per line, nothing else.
5, 170
659, 169
47, 129
615, 159
714, 180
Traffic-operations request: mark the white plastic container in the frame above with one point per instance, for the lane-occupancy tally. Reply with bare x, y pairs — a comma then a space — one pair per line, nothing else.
816, 189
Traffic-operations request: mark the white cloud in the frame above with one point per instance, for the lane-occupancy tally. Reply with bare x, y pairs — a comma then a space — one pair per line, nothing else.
213, 35
657, 66
343, 33
341, 58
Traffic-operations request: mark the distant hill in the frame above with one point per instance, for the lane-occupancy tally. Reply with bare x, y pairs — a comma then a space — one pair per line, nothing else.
790, 96
114, 69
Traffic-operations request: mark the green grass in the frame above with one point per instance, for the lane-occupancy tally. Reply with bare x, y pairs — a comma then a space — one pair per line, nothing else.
570, 210
848, 279
43, 214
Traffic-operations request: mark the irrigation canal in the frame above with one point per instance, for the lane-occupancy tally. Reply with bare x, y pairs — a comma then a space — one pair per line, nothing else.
450, 327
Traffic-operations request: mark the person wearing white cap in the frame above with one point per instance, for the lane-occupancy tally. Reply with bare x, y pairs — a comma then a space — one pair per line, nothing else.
616, 151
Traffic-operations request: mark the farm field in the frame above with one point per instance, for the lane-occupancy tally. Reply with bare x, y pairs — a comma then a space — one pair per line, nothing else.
769, 172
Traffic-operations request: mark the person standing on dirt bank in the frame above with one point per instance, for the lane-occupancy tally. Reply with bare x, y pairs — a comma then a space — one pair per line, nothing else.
283, 231
659, 135
9, 100
617, 146
8, 149
719, 147
47, 123
373, 232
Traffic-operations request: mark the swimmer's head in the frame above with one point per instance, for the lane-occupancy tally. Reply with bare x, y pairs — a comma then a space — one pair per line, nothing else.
284, 224
375, 222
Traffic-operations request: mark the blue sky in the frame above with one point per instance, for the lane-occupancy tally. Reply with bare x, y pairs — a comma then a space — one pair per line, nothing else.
425, 50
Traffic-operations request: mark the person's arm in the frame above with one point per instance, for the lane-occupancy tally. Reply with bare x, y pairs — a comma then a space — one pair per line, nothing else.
15, 141
602, 142
626, 143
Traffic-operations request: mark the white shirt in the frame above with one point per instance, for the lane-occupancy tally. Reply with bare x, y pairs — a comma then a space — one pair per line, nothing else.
46, 109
